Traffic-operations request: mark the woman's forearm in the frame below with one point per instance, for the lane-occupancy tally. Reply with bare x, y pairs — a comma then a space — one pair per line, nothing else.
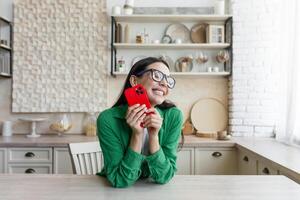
153, 144
136, 142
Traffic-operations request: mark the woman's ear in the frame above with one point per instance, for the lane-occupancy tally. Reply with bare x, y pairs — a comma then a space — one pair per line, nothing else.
133, 81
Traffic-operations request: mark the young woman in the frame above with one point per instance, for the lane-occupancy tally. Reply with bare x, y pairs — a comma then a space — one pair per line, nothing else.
130, 151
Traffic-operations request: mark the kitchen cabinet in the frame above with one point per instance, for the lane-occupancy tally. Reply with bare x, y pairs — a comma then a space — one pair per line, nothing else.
46, 160
265, 168
247, 163
185, 161
215, 161
29, 160
2, 160
62, 161
124, 45
5, 48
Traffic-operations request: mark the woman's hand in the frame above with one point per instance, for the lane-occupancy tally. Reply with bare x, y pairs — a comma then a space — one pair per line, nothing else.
135, 116
153, 122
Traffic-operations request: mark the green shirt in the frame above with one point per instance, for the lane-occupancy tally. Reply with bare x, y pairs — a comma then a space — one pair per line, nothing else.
122, 165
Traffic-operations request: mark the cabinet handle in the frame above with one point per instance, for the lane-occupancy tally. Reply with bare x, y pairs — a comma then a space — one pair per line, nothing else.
29, 155
30, 171
266, 171
246, 158
216, 154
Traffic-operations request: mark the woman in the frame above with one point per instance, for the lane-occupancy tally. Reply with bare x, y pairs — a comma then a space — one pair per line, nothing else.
130, 151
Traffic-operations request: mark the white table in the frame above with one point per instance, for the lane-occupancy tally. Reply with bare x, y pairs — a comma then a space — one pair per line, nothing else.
73, 187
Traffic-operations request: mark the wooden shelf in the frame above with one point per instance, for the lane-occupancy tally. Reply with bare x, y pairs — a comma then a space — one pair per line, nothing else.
172, 46
171, 18
5, 47
178, 74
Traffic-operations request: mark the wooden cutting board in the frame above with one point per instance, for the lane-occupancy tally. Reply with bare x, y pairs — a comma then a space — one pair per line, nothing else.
209, 116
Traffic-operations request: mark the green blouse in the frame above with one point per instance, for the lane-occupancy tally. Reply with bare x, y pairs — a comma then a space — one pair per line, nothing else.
122, 165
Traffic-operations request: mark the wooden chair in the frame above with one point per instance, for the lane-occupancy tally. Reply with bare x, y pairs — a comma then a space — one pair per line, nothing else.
86, 157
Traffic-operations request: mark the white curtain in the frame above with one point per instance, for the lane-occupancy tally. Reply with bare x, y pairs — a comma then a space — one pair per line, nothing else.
288, 126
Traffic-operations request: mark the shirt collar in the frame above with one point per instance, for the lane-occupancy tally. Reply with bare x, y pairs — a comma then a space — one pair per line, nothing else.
120, 111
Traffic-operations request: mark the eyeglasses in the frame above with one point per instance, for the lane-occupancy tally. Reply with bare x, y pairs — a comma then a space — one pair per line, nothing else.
158, 76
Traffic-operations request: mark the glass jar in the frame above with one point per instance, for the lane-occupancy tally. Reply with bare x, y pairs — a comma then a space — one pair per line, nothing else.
61, 123
90, 124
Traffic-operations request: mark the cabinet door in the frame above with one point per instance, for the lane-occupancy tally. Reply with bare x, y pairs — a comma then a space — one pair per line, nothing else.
264, 168
247, 163
185, 161
215, 161
2, 160
62, 161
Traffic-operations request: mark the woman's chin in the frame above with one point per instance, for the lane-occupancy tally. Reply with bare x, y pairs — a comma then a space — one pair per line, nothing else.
157, 101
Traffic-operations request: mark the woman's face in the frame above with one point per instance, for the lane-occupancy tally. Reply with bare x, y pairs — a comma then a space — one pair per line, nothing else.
157, 91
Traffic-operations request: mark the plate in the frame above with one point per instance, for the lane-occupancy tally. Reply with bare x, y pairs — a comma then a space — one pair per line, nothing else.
137, 58
180, 67
198, 33
169, 60
209, 115
178, 31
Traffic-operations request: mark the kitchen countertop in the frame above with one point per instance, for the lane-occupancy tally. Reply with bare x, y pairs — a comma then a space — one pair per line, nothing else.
281, 154
73, 187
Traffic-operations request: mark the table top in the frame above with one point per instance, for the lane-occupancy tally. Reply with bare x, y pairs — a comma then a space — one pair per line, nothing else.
73, 187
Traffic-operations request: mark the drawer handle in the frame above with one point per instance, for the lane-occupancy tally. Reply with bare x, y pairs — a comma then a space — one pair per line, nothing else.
266, 171
246, 158
29, 155
216, 154
30, 171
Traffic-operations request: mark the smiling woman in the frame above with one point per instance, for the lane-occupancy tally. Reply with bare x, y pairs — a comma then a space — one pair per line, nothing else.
132, 151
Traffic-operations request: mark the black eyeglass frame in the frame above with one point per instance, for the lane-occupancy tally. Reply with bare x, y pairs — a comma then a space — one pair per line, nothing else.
164, 76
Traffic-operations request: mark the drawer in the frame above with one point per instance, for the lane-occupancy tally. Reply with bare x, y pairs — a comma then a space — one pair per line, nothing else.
264, 168
221, 161
30, 155
30, 168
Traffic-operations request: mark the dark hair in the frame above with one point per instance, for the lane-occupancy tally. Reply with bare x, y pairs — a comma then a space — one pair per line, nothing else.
138, 67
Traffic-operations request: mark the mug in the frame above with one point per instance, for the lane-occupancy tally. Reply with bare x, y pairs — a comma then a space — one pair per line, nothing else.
209, 69
7, 128
116, 10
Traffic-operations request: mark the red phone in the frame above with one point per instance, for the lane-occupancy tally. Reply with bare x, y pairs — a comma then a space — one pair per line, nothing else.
137, 95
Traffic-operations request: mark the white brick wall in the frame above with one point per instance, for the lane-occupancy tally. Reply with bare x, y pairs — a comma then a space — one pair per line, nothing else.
252, 87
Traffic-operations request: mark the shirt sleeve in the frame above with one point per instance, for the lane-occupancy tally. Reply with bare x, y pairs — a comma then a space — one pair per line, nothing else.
121, 167
162, 164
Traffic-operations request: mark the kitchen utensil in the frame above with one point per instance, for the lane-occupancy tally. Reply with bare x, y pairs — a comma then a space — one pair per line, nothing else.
184, 64
166, 39
198, 33
209, 115
180, 31
33, 121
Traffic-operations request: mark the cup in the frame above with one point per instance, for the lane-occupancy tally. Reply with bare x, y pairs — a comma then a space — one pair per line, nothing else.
222, 135
155, 41
209, 69
215, 69
178, 41
116, 10
7, 128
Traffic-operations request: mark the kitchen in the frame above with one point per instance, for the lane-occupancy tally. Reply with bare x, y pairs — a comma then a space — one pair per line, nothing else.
242, 96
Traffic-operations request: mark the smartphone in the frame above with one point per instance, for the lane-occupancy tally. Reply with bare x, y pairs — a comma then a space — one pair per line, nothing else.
137, 95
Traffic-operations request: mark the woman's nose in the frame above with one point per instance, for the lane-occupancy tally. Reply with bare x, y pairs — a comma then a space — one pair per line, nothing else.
164, 82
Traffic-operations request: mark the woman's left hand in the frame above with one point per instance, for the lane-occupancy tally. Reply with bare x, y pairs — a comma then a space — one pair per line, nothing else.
153, 122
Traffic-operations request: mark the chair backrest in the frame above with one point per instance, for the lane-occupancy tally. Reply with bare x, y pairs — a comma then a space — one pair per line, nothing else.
86, 157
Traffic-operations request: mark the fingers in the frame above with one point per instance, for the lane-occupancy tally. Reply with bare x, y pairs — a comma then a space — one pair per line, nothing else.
135, 113
153, 120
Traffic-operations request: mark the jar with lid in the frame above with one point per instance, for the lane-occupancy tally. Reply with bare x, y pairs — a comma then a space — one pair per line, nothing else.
90, 124
61, 123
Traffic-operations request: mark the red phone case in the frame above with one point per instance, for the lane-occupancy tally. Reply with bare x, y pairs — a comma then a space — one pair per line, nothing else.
137, 95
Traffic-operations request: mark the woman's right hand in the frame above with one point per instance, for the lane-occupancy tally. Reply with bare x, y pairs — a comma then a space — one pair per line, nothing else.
135, 116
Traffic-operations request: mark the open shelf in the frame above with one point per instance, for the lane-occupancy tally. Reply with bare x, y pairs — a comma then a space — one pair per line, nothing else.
172, 46
170, 18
